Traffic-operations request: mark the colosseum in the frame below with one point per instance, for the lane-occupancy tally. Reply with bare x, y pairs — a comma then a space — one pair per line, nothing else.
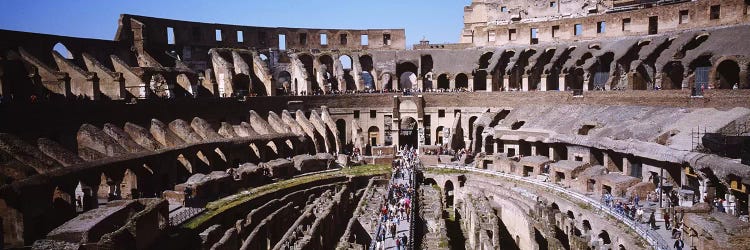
550, 124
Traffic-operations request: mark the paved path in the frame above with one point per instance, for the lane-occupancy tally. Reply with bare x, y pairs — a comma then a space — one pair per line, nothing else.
404, 226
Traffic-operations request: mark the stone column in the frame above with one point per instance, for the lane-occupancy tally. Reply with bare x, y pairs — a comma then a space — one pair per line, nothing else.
452, 83
543, 82
744, 81
586, 81
552, 154
626, 166
561, 82
533, 150
471, 84
489, 86
420, 83
525, 82
506, 82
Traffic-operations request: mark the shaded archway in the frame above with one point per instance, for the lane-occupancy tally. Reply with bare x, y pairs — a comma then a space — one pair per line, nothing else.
471, 127
484, 60
700, 68
727, 75
283, 83
307, 62
448, 194
674, 72
443, 82
408, 132
407, 81
462, 81
604, 237
341, 127
480, 80
366, 62
346, 64
326, 68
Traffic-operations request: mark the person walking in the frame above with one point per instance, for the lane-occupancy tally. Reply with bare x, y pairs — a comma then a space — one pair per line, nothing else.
652, 221
679, 244
404, 240
666, 220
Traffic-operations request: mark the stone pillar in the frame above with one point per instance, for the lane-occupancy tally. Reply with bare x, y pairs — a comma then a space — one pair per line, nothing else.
552, 154
452, 83
626, 166
586, 82
506, 82
561, 82
543, 82
420, 83
744, 81
489, 86
525, 82
471, 84
533, 150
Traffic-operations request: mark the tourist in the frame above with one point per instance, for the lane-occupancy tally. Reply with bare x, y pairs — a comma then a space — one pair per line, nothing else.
652, 221
666, 221
188, 195
404, 240
398, 243
679, 244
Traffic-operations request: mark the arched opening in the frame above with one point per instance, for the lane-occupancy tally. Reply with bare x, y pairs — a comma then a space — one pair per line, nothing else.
64, 52
480, 80
368, 80
443, 82
426, 69
471, 127
408, 132
478, 139
373, 133
728, 75
407, 81
307, 62
604, 237
674, 72
341, 128
507, 241
386, 80
462, 81
575, 80
448, 194
701, 68
346, 63
586, 226
439, 135
284, 83
484, 60
601, 71
366, 62
326, 71
570, 215
561, 236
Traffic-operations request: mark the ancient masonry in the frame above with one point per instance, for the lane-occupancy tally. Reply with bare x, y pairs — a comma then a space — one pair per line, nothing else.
540, 129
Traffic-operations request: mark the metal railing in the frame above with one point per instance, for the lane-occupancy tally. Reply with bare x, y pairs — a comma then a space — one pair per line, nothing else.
655, 240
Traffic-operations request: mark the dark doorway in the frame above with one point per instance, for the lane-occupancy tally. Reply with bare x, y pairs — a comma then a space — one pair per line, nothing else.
408, 132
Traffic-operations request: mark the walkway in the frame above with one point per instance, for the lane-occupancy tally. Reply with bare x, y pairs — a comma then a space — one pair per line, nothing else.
655, 239
403, 224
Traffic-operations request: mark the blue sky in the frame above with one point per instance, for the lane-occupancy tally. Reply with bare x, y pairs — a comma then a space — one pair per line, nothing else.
438, 20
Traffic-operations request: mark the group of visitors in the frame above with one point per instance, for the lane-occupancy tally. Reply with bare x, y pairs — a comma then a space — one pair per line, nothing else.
397, 208
633, 210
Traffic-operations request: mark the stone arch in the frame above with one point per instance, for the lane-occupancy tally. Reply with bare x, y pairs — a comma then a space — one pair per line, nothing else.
575, 79
602, 70
426, 64
603, 236
700, 69
673, 72
727, 74
480, 81
408, 132
586, 225
407, 73
283, 83
341, 127
386, 80
429, 182
308, 63
478, 139
366, 62
449, 193
472, 120
462, 81
443, 82
484, 60
348, 65
540, 240
326, 72
63, 50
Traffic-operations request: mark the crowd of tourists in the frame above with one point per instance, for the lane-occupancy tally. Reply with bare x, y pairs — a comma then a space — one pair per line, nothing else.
398, 206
